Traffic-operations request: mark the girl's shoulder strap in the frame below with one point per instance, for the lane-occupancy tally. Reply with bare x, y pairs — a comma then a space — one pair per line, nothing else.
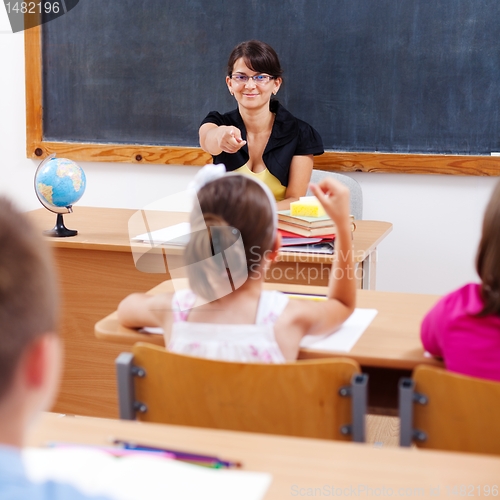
182, 302
271, 304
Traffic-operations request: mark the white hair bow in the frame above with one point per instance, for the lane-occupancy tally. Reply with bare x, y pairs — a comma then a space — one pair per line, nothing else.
207, 174
212, 172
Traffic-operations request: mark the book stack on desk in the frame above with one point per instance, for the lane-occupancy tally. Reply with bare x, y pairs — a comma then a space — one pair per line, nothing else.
291, 242
308, 227
306, 233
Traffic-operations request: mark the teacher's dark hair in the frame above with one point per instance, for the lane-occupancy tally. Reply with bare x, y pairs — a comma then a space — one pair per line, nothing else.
488, 256
258, 56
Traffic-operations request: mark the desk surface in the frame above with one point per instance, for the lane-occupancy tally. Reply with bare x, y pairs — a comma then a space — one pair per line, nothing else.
300, 467
392, 340
107, 229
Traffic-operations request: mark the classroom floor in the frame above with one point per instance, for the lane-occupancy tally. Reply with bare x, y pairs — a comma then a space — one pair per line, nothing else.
382, 430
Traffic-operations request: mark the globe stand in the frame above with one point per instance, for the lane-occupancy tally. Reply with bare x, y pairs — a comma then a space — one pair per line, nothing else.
60, 230
58, 184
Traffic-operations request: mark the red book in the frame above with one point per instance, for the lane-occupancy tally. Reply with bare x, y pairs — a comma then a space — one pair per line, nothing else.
289, 234
289, 239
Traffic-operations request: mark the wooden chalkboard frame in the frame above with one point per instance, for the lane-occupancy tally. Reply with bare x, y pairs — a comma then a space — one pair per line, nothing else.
37, 148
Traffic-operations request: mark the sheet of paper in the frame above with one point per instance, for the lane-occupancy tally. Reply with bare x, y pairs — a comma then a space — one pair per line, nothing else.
346, 336
178, 234
152, 329
138, 478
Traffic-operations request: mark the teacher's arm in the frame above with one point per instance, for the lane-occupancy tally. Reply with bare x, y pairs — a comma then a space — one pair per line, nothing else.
300, 174
214, 139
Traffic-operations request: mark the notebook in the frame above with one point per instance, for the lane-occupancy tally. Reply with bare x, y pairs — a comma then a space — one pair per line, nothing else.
141, 477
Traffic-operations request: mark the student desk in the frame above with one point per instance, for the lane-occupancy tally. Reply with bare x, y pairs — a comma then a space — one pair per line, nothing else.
96, 270
388, 349
299, 467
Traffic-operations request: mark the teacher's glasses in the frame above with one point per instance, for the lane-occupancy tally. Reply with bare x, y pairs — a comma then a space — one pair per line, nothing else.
257, 79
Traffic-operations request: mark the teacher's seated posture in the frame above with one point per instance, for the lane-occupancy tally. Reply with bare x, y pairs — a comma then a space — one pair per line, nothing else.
261, 138
226, 314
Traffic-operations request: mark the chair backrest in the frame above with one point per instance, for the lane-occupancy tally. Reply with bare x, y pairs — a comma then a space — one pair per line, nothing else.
314, 398
352, 184
447, 411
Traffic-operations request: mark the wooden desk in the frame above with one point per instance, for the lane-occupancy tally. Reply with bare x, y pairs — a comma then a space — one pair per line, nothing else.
96, 270
390, 347
392, 340
300, 467
106, 229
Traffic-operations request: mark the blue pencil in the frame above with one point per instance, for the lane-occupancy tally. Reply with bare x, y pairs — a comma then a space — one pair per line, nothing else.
179, 455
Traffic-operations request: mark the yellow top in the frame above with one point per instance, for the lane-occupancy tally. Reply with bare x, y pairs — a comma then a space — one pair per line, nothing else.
268, 179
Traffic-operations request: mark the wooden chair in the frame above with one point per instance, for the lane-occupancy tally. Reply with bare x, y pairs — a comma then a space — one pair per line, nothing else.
314, 398
447, 411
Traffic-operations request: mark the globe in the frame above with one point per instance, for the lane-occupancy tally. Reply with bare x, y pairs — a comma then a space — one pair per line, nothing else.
59, 183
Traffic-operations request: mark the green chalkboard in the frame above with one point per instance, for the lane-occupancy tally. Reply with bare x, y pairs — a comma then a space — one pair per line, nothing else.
374, 76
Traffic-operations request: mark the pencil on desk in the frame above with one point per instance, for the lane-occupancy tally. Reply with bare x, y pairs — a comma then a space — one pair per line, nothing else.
206, 460
318, 298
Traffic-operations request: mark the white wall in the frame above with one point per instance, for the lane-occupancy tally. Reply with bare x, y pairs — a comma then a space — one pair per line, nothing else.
436, 218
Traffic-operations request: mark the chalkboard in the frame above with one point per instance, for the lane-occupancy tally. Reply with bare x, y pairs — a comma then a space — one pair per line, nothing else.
390, 78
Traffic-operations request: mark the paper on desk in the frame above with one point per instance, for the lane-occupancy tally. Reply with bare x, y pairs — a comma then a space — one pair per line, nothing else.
346, 336
152, 329
342, 340
137, 478
178, 234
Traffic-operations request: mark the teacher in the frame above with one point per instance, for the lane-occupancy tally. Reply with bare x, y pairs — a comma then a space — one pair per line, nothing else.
261, 138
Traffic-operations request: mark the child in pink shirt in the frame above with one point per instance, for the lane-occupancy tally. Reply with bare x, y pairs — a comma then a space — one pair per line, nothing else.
464, 327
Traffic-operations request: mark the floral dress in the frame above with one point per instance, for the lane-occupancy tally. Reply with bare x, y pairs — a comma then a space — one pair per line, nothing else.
228, 342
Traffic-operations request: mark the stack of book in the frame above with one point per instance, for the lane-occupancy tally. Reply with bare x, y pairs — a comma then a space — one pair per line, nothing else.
308, 227
307, 234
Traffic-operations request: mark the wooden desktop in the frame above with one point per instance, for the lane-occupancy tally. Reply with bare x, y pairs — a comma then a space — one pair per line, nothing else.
96, 270
299, 467
392, 340
389, 349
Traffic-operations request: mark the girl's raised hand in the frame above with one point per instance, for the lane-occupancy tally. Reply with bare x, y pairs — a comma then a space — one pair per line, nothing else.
334, 196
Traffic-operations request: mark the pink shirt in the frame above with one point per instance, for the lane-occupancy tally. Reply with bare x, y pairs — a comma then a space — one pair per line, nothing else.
467, 344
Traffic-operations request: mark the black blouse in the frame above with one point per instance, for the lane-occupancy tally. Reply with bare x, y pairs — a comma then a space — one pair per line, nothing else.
289, 137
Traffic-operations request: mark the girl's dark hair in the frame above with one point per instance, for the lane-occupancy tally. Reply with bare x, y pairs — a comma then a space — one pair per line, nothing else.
258, 56
233, 206
488, 256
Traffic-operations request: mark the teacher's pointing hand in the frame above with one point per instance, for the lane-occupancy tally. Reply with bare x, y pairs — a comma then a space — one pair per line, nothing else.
229, 139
